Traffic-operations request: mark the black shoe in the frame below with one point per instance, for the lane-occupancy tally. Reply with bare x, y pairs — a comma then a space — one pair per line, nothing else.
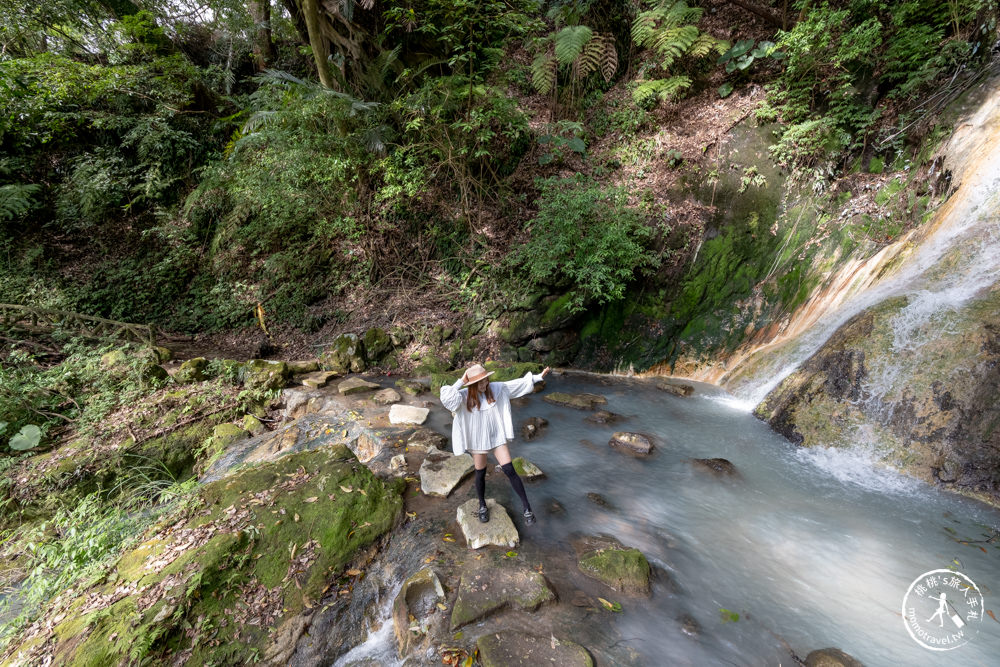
529, 517
484, 514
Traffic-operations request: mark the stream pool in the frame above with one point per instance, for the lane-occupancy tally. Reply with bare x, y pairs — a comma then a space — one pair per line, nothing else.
813, 548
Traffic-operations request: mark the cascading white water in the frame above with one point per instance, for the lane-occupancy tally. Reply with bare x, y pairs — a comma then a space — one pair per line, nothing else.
956, 261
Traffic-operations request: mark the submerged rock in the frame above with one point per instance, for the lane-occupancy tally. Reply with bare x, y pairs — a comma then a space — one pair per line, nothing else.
499, 531
386, 396
407, 414
510, 649
623, 569
831, 657
533, 427
356, 385
577, 401
441, 472
635, 444
603, 417
674, 387
417, 598
484, 590
598, 499
689, 626
719, 467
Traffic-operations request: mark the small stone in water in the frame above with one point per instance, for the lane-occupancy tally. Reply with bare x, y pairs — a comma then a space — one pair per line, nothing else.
598, 499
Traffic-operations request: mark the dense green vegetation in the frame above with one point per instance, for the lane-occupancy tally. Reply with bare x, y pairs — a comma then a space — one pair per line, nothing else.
178, 169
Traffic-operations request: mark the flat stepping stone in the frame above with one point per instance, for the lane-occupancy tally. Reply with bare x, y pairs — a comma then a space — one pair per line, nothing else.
356, 386
386, 396
418, 599
407, 414
484, 590
577, 401
441, 472
526, 469
516, 649
718, 467
499, 531
635, 444
673, 387
317, 379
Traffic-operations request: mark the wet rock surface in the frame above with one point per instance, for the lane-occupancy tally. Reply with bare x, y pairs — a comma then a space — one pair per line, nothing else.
417, 599
532, 428
498, 531
526, 469
577, 401
513, 649
635, 444
831, 657
485, 590
622, 568
718, 467
603, 417
672, 386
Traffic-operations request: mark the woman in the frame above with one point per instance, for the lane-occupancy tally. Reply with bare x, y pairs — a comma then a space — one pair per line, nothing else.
482, 424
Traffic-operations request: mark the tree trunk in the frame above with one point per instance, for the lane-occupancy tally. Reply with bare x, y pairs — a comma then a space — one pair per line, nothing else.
263, 48
320, 47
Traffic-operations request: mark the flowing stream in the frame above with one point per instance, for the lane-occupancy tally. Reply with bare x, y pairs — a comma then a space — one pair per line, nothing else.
812, 548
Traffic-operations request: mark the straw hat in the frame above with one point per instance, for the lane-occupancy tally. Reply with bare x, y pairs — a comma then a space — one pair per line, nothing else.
476, 373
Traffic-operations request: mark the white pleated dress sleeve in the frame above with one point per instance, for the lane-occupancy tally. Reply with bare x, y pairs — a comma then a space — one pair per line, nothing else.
490, 425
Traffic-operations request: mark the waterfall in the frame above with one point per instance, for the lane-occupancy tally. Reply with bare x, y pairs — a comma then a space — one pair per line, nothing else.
939, 267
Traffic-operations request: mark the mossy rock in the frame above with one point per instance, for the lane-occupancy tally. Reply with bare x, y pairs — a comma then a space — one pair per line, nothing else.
345, 355
265, 374
192, 370
625, 570
431, 364
239, 566
303, 366
114, 359
411, 387
377, 345
253, 425
526, 469
163, 355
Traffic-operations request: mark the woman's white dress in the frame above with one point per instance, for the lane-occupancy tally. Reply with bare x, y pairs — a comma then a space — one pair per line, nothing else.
490, 425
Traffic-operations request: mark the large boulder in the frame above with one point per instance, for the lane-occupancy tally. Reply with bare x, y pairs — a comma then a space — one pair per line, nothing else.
377, 345
345, 355
486, 589
635, 444
499, 531
417, 599
441, 472
265, 374
577, 401
623, 569
516, 649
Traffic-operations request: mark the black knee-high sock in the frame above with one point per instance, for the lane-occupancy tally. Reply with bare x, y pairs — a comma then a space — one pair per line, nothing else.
515, 481
481, 486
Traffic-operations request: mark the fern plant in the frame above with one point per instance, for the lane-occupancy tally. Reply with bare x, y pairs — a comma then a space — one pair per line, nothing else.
668, 30
578, 52
16, 199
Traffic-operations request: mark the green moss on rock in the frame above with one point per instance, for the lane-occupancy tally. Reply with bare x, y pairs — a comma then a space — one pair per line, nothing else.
625, 570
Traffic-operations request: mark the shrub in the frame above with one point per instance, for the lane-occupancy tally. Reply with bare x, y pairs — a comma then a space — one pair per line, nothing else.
586, 240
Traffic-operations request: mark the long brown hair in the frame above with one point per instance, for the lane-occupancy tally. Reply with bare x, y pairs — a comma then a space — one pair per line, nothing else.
472, 400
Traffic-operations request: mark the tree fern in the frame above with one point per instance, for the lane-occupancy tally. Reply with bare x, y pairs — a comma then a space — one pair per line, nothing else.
544, 70
570, 42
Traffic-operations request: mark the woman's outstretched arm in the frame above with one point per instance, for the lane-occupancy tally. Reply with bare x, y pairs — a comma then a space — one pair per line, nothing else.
524, 386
